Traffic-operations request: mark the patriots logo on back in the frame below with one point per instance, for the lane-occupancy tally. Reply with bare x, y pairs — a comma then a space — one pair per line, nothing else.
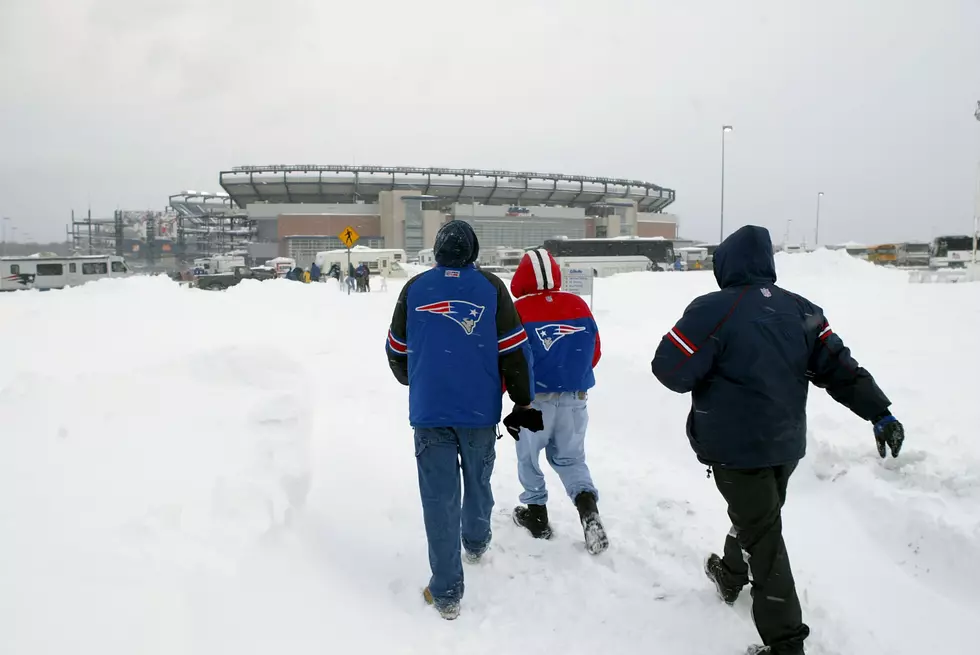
552, 332
463, 313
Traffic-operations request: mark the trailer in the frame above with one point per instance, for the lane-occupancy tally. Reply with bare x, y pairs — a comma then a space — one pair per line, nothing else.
380, 261
44, 273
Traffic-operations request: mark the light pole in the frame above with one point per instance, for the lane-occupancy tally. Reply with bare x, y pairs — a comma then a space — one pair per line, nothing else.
725, 129
816, 231
976, 201
3, 224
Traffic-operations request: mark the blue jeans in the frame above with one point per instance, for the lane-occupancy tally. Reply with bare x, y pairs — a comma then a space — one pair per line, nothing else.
440, 454
566, 417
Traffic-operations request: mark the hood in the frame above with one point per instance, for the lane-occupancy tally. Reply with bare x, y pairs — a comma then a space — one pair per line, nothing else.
745, 257
538, 271
456, 245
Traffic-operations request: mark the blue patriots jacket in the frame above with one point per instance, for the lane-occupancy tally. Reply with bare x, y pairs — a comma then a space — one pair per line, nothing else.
748, 353
560, 327
455, 338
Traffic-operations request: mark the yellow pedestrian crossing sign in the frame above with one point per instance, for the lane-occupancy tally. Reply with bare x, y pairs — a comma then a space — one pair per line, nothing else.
349, 236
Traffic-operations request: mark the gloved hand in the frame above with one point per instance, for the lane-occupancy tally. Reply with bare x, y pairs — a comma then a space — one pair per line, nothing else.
523, 417
888, 431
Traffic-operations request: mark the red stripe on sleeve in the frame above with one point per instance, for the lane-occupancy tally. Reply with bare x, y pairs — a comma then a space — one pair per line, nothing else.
512, 341
396, 345
680, 346
683, 338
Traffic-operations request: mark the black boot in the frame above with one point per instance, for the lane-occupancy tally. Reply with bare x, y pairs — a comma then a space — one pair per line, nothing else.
769, 650
714, 568
596, 540
535, 519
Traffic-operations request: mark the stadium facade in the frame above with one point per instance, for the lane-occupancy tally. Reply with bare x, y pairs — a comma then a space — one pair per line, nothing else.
299, 210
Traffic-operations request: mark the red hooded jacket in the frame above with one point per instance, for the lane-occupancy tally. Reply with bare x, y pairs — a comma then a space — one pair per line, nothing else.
562, 332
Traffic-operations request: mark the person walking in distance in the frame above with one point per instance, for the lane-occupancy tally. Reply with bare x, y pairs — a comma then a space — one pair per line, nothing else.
565, 346
455, 339
747, 354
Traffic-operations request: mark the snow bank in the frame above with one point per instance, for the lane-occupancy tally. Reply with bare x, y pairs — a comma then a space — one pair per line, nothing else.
199, 472
829, 263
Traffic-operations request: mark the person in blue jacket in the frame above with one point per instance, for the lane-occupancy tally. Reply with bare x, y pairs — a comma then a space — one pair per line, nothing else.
747, 354
455, 340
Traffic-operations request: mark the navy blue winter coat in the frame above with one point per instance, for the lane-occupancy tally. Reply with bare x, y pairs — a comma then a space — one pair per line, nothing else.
455, 339
747, 354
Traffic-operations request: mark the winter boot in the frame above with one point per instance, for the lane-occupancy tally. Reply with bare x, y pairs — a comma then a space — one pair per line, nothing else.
471, 557
596, 540
714, 568
535, 519
448, 612
767, 650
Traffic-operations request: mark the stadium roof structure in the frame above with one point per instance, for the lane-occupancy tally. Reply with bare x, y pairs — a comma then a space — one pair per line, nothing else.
349, 184
200, 203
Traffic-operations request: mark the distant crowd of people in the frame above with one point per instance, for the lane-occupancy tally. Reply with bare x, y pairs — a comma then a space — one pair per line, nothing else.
358, 278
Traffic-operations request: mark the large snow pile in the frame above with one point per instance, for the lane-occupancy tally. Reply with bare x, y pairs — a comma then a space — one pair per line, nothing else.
157, 442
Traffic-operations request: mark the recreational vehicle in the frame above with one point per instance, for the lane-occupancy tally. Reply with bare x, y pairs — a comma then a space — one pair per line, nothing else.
43, 273
386, 262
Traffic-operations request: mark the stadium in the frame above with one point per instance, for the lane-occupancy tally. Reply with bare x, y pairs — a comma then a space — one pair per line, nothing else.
296, 211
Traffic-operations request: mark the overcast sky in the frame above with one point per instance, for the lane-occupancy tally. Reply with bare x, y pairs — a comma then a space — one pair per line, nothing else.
119, 103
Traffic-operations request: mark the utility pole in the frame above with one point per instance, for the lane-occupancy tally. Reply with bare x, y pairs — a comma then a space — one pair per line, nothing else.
976, 200
816, 231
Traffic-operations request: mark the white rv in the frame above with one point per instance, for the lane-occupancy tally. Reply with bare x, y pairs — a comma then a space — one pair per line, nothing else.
427, 257
380, 261
36, 272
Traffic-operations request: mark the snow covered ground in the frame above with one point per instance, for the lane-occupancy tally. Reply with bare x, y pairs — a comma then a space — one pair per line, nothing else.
187, 472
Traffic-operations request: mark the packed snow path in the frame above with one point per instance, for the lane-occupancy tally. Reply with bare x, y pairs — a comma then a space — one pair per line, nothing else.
156, 442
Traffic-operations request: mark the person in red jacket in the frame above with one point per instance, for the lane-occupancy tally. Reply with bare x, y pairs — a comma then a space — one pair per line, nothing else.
564, 342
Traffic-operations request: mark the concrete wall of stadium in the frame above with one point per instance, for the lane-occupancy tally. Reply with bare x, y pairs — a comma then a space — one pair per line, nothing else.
399, 220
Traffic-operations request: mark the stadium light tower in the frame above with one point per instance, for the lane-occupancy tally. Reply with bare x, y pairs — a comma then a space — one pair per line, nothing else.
816, 230
725, 129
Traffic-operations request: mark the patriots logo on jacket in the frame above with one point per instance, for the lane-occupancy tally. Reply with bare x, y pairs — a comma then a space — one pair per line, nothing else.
552, 332
463, 313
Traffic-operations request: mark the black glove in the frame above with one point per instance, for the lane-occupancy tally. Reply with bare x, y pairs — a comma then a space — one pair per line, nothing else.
523, 417
889, 431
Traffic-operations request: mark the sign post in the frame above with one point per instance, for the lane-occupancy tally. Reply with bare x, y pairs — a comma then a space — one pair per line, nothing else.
579, 281
348, 236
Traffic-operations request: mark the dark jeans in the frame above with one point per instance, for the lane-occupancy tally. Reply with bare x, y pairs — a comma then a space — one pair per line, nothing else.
441, 453
755, 499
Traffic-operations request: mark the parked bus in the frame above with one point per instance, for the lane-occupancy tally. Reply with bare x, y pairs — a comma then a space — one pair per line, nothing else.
43, 273
611, 256
954, 251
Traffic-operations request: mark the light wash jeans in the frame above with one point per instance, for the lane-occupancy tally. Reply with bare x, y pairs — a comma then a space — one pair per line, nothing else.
450, 514
566, 417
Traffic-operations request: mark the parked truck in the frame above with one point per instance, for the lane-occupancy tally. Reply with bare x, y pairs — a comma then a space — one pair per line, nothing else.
221, 281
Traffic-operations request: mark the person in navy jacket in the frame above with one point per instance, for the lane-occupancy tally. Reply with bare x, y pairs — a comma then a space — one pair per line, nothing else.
455, 339
747, 354
565, 344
